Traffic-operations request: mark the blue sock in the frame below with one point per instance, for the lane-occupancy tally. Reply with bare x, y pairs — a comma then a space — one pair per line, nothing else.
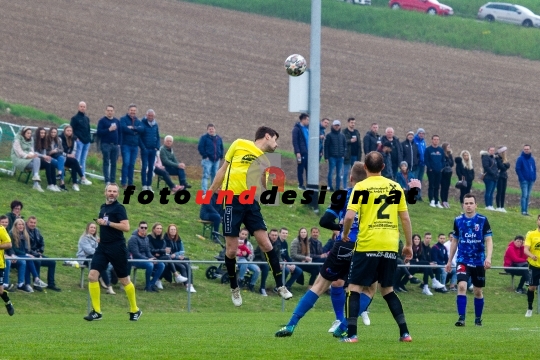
365, 301
337, 295
462, 305
478, 307
304, 305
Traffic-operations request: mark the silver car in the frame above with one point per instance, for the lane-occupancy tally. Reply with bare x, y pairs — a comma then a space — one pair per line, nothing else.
508, 13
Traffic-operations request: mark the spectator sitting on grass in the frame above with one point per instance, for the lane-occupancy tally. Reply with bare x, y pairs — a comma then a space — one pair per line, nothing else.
23, 157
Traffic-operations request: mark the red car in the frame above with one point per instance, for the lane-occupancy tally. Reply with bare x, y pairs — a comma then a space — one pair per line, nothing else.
432, 7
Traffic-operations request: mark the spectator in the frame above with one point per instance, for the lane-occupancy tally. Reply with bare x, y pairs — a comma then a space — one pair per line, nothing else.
132, 130
88, 243
330, 243
139, 247
316, 247
515, 257
526, 172
439, 256
294, 271
503, 165
464, 172
354, 148
419, 140
56, 151
5, 245
422, 256
172, 166
334, 152
322, 135
159, 170
397, 151
23, 157
16, 207
81, 130
174, 242
403, 274
211, 149
404, 176
372, 139
434, 159
40, 148
453, 274
37, 248
258, 255
22, 248
446, 174
410, 154
4, 222
300, 253
208, 212
300, 139
242, 254
160, 250
386, 151
150, 144
69, 146
110, 133
489, 167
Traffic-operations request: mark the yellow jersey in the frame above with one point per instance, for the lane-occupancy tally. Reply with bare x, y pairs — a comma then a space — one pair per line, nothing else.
532, 240
379, 224
4, 238
240, 156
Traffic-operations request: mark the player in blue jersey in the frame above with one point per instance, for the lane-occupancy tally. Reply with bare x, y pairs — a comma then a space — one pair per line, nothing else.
336, 267
472, 238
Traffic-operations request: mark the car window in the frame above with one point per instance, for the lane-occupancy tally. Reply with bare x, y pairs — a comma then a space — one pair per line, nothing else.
512, 8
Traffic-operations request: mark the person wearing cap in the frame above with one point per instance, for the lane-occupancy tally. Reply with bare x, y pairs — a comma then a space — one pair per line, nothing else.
300, 139
354, 148
404, 175
491, 175
372, 139
386, 151
410, 153
397, 151
503, 165
526, 172
421, 144
335, 146
434, 158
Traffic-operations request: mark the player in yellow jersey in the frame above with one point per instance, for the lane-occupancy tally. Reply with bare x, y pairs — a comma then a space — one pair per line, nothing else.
532, 250
233, 176
5, 243
379, 202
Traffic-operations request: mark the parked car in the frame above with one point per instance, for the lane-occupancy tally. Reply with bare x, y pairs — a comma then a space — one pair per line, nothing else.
432, 7
508, 13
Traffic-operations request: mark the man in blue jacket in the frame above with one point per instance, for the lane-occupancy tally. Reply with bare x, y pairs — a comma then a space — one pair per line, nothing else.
150, 144
439, 255
300, 138
211, 150
526, 172
110, 136
434, 158
131, 131
421, 144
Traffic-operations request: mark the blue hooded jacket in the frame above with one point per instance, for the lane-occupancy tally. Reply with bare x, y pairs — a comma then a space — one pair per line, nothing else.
421, 143
526, 167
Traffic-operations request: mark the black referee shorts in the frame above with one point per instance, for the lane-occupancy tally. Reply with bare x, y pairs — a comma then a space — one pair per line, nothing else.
115, 253
237, 214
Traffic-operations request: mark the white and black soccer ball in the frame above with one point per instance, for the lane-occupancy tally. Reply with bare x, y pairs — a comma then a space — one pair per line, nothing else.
295, 65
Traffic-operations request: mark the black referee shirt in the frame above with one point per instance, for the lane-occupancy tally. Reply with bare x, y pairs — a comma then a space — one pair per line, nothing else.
114, 212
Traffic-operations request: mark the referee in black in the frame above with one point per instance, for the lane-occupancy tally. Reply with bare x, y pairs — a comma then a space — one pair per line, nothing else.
113, 222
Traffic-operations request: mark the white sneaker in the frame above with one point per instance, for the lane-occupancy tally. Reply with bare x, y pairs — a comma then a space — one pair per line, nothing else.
40, 283
51, 188
144, 188
426, 291
191, 289
180, 279
149, 188
86, 182
37, 187
365, 318
76, 187
159, 285
490, 208
436, 284
334, 326
528, 313
438, 204
432, 203
263, 292
284, 293
503, 210
57, 189
36, 178
471, 288
236, 297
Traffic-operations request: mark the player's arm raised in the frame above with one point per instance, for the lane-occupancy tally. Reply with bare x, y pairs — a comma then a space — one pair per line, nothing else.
220, 175
407, 229
489, 251
347, 223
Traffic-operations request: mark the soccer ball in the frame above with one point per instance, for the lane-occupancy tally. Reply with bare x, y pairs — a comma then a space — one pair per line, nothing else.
295, 65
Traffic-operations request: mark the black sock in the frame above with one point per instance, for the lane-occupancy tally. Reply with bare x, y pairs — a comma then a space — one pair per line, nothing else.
5, 297
530, 298
397, 311
230, 264
272, 259
352, 306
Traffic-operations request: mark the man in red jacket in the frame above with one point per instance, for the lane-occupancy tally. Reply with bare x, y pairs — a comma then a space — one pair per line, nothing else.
515, 257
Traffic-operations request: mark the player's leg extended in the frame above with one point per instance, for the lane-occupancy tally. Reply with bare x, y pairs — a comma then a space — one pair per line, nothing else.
530, 300
230, 259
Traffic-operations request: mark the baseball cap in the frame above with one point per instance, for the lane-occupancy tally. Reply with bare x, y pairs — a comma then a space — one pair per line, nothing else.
336, 122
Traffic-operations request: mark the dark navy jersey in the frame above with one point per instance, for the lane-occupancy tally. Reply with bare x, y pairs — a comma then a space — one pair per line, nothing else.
339, 210
471, 234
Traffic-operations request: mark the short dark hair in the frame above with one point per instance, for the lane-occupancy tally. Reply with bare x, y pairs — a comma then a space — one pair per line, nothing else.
131, 106
209, 126
244, 229
434, 136
109, 106
303, 116
263, 130
358, 173
283, 228
2, 217
273, 230
374, 162
142, 223
441, 234
469, 195
427, 233
31, 218
519, 237
314, 228
350, 119
16, 203
325, 119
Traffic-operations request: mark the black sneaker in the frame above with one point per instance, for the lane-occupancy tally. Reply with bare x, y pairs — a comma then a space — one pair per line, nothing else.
10, 287
442, 290
403, 288
520, 291
478, 322
54, 288
151, 289
38, 288
10, 309
414, 280
25, 288
93, 315
63, 187
461, 321
187, 186
135, 316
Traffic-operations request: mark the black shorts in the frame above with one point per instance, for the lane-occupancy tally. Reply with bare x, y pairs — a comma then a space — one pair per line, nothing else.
235, 214
338, 262
534, 276
1, 277
115, 253
368, 267
476, 273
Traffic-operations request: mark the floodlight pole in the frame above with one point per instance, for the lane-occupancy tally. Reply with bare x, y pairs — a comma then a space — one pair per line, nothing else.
314, 101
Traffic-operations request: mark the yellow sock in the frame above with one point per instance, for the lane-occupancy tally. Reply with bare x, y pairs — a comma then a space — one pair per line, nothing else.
130, 293
93, 288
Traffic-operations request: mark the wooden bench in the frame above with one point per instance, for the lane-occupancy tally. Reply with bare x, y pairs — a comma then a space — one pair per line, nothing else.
511, 279
207, 225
